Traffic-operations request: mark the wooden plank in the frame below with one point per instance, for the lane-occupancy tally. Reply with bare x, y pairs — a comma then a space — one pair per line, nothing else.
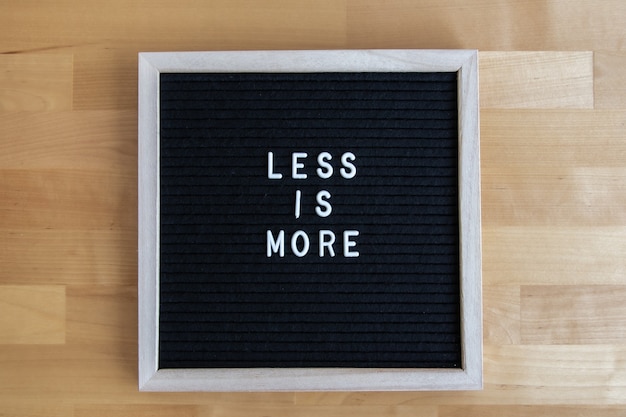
35, 82
34, 408
136, 410
526, 255
70, 371
554, 197
567, 314
241, 25
536, 80
90, 140
609, 79
216, 25
78, 257
32, 314
576, 374
97, 314
263, 407
525, 26
67, 199
501, 314
558, 139
553, 168
530, 410
106, 78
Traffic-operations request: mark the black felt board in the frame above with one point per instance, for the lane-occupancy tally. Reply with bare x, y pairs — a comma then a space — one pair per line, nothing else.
225, 303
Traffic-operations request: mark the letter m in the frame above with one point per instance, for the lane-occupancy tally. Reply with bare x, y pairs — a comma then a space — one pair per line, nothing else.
276, 245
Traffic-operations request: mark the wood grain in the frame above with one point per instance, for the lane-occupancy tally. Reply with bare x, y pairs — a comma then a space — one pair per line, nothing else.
552, 176
609, 84
490, 25
136, 410
551, 139
529, 410
536, 79
584, 315
72, 199
35, 82
141, 410
501, 314
568, 196
32, 314
543, 255
105, 140
69, 256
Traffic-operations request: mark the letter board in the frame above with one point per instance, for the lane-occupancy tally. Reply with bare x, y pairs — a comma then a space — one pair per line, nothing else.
309, 220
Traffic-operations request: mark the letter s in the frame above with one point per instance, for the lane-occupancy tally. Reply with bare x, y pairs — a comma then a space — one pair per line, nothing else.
349, 170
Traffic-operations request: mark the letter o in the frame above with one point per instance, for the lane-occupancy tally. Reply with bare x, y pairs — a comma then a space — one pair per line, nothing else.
294, 243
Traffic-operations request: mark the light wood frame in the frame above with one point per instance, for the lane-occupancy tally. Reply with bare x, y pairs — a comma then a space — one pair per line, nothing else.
469, 376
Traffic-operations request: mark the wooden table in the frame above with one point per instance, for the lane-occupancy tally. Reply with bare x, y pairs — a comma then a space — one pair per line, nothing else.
553, 121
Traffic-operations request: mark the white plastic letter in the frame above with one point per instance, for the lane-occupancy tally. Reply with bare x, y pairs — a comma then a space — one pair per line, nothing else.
326, 243
325, 170
294, 244
295, 165
349, 170
270, 168
324, 208
298, 203
347, 244
274, 245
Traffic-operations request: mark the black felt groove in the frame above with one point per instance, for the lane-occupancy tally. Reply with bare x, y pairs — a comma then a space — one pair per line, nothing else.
310, 135
225, 303
172, 269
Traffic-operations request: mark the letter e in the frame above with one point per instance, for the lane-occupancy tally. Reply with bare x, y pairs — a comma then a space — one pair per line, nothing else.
295, 165
347, 244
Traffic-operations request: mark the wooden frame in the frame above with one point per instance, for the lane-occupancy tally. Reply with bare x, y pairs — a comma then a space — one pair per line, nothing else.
290, 379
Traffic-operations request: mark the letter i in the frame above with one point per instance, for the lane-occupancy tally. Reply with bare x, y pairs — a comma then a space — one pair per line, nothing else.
298, 203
